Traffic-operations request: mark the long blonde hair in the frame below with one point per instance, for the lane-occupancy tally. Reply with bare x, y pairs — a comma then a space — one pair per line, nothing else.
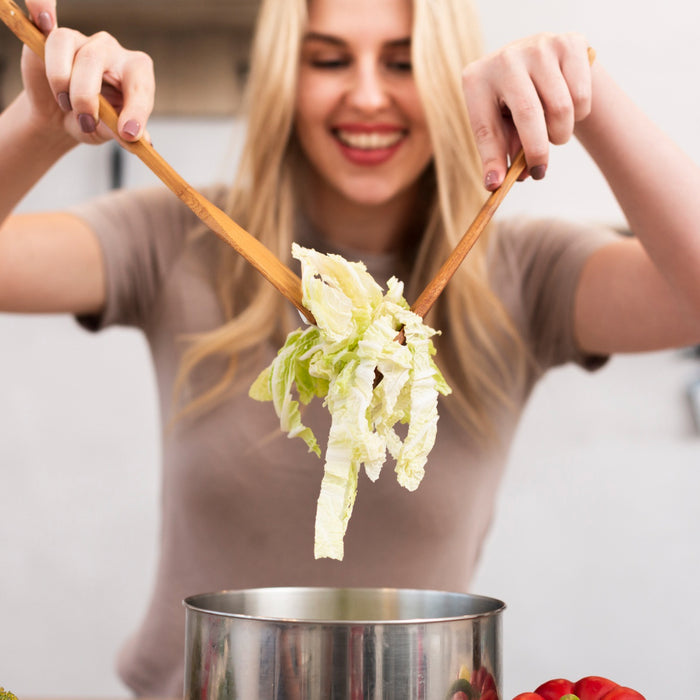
480, 352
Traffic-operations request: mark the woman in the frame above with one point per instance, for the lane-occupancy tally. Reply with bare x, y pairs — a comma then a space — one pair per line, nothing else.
360, 141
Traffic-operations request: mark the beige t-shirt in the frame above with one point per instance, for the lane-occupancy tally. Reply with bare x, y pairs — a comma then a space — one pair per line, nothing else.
239, 497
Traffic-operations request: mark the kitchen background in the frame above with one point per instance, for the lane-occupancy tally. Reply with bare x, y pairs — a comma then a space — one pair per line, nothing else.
595, 544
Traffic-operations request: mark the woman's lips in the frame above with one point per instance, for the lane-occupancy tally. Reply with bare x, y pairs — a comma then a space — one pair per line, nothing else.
369, 145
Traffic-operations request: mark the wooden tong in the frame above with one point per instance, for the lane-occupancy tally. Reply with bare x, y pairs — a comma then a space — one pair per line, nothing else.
258, 255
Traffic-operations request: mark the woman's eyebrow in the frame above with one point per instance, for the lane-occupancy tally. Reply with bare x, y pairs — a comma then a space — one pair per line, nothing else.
336, 41
325, 38
399, 43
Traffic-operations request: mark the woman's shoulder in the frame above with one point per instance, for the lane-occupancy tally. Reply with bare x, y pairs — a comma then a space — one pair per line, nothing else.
534, 266
147, 238
524, 241
145, 205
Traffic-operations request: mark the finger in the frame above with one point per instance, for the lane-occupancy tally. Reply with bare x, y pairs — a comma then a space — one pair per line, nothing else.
90, 65
527, 112
59, 53
557, 103
81, 68
488, 129
43, 14
138, 90
576, 69
562, 77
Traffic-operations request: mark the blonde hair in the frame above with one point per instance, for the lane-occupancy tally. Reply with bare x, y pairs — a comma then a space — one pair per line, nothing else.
480, 351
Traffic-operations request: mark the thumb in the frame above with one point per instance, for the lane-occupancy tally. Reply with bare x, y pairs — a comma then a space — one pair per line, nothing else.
43, 14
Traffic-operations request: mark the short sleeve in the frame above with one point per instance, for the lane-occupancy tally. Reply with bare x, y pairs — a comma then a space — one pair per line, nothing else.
140, 233
535, 268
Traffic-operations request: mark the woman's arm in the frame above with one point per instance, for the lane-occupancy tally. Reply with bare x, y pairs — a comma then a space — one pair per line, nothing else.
48, 262
638, 294
641, 294
51, 262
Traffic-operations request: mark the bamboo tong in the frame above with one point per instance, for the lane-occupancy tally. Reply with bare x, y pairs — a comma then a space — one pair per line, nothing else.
258, 255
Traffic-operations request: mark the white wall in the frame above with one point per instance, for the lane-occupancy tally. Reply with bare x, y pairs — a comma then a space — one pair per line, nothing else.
594, 548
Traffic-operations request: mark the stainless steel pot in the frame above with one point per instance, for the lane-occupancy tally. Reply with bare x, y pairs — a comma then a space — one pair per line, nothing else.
342, 644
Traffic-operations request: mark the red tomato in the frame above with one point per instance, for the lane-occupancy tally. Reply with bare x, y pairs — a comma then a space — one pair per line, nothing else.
593, 687
622, 693
554, 689
528, 696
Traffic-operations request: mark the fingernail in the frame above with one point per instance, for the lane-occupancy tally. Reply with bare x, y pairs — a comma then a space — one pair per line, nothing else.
131, 128
45, 22
538, 172
491, 180
64, 101
87, 123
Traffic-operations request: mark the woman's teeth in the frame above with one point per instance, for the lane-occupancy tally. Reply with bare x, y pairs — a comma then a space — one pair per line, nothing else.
369, 140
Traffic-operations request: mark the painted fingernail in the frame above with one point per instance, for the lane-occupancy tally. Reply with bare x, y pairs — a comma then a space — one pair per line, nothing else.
45, 22
491, 180
538, 172
87, 123
64, 101
131, 128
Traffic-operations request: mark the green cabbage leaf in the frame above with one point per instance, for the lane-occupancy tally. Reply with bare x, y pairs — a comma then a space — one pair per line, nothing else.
339, 360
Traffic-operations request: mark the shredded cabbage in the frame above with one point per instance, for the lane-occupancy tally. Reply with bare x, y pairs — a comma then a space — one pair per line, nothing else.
338, 360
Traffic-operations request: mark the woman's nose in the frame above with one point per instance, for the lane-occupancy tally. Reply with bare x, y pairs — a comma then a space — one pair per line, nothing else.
368, 90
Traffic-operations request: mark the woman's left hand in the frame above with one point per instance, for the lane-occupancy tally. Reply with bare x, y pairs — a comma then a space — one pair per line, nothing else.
640, 293
530, 93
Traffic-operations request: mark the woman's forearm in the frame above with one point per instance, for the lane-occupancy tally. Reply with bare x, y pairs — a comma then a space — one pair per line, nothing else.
27, 152
655, 183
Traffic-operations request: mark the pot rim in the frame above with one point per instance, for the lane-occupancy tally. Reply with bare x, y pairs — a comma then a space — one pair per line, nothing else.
198, 604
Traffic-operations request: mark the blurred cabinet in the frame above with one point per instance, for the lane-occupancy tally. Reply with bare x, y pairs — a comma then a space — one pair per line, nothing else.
199, 48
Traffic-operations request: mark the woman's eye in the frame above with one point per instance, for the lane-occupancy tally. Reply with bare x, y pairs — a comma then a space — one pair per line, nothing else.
401, 66
398, 61
329, 63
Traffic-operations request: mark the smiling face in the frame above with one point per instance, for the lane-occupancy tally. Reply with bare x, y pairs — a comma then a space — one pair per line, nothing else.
358, 116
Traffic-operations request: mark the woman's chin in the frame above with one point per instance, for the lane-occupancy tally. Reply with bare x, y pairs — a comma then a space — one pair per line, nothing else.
370, 195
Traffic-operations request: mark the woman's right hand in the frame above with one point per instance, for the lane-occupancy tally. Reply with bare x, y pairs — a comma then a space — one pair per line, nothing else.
64, 89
